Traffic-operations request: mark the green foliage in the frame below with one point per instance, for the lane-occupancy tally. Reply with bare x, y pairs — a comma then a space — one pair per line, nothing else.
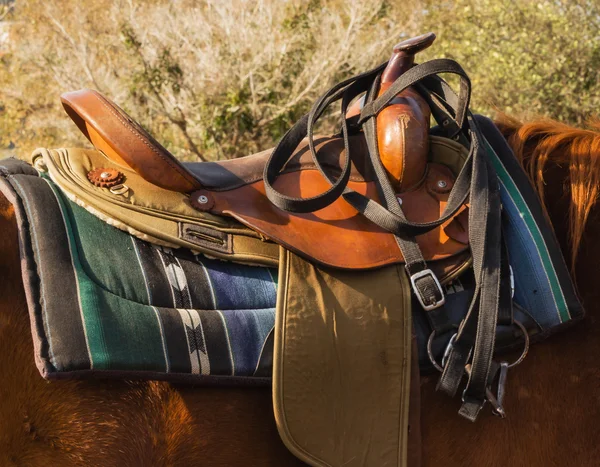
526, 57
213, 79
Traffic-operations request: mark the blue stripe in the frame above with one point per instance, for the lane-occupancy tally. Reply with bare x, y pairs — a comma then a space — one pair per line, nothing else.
533, 290
537, 287
247, 330
237, 286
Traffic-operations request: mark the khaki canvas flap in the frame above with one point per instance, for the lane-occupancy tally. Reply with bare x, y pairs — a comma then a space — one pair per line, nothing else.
341, 378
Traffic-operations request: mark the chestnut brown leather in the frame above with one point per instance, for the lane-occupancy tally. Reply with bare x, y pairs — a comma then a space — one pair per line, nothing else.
403, 126
125, 141
338, 235
402, 130
235, 173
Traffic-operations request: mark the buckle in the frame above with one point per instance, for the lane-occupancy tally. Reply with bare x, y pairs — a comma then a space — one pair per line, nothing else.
419, 275
447, 351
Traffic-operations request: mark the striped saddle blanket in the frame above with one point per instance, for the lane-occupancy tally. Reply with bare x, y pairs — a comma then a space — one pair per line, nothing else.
105, 302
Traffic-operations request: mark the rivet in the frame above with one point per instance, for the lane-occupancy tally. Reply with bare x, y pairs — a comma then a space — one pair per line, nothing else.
399, 200
442, 184
202, 200
105, 175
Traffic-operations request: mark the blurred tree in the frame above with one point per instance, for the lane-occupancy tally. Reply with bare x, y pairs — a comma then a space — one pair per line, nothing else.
219, 79
210, 79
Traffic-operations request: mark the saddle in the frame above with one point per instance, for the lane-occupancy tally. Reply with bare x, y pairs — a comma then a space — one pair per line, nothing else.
364, 226
236, 188
344, 300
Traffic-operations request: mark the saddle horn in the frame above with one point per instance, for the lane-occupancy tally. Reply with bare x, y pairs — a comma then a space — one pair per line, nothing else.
403, 126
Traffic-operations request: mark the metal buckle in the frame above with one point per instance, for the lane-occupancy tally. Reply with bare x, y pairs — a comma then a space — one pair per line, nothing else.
420, 275
447, 351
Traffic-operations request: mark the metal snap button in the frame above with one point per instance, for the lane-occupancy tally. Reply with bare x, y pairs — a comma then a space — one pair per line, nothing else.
202, 200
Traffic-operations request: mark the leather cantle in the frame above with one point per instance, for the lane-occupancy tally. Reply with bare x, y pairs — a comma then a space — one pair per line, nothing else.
123, 140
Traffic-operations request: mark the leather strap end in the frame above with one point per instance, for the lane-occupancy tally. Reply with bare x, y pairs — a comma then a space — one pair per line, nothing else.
470, 409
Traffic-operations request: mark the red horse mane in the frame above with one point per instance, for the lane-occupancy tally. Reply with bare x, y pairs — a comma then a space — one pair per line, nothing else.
541, 141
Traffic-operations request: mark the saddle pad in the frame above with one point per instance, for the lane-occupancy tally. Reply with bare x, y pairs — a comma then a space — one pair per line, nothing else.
543, 290
341, 376
106, 303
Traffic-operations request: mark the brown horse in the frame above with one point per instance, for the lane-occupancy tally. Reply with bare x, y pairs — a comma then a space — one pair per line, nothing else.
553, 402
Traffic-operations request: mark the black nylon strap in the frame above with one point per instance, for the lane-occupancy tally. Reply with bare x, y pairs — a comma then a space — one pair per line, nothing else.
428, 290
476, 180
284, 151
505, 310
381, 216
476, 335
420, 73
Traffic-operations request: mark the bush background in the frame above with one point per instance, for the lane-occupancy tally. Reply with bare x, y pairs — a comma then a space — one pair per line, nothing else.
215, 79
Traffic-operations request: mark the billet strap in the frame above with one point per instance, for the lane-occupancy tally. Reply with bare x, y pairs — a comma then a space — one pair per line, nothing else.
476, 181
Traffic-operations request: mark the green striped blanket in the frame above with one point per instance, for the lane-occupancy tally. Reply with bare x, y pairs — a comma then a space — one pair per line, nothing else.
106, 303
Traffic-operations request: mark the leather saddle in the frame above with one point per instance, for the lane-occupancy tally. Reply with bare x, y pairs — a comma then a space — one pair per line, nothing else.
343, 306
423, 173
352, 214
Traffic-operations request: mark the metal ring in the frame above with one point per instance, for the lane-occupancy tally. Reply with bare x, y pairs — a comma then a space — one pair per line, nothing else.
440, 368
430, 352
525, 349
119, 189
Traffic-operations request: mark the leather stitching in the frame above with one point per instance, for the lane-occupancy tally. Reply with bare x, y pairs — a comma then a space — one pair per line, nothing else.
139, 136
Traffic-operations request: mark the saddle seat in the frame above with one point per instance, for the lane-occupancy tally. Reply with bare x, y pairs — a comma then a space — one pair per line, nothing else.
337, 235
